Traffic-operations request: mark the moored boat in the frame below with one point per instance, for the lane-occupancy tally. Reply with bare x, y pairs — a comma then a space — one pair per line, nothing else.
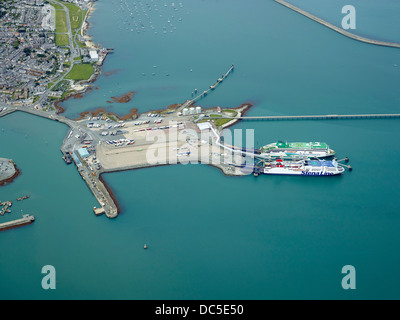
303, 167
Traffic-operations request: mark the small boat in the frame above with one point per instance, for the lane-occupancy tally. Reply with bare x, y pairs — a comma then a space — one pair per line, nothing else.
22, 198
145, 247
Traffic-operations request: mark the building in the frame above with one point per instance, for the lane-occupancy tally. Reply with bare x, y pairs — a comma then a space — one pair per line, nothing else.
94, 56
204, 126
83, 152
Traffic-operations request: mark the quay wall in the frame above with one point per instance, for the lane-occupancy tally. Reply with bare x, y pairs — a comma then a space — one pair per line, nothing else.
16, 223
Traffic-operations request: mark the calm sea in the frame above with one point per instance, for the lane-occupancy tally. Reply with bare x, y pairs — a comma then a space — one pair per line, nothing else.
212, 236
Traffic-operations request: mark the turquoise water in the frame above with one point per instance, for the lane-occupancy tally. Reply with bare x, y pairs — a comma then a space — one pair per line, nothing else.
286, 64
212, 236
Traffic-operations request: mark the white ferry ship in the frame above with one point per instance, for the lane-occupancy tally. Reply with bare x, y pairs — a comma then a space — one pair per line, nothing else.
296, 150
303, 167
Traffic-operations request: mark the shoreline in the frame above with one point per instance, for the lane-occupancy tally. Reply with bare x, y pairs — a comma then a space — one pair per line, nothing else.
86, 25
86, 84
94, 113
242, 110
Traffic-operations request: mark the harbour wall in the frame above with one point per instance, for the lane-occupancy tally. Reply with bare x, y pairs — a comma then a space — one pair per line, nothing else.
337, 29
17, 223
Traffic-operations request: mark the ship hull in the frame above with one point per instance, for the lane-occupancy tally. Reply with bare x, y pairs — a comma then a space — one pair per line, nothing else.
303, 168
302, 173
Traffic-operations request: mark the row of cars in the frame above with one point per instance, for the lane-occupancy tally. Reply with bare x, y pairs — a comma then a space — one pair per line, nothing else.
98, 125
177, 125
139, 123
121, 142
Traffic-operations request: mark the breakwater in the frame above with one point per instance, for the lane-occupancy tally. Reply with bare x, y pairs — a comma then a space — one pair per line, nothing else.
26, 219
337, 29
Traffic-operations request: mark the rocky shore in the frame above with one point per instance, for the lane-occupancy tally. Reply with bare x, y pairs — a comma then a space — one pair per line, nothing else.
125, 98
9, 171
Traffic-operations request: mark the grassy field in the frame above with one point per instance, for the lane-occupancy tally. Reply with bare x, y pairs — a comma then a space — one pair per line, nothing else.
80, 72
62, 40
80, 44
215, 118
61, 22
75, 15
231, 113
57, 6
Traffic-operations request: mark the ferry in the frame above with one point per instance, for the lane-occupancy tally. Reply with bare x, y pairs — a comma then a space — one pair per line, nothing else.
296, 150
303, 167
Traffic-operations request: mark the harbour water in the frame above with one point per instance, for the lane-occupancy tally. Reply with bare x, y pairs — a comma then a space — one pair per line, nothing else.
210, 236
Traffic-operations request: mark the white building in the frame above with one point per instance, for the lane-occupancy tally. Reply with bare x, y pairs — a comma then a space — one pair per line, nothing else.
93, 55
204, 126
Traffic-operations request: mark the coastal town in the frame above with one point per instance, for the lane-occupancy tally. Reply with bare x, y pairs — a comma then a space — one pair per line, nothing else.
46, 58
44, 53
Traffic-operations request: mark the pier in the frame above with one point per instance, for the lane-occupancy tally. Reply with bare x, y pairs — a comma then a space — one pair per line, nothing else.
319, 117
337, 29
189, 102
214, 86
97, 187
26, 219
